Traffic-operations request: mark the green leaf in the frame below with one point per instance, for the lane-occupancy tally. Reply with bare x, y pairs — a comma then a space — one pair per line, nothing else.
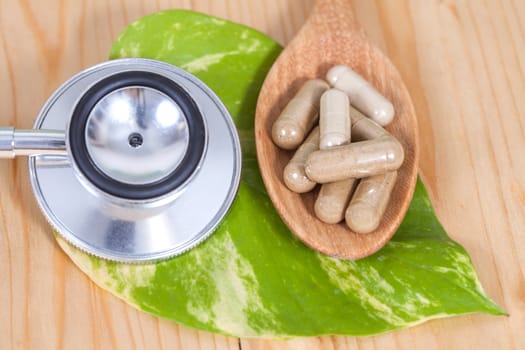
252, 277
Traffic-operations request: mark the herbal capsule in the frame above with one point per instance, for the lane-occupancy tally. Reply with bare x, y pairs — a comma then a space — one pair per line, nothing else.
364, 128
356, 160
362, 94
369, 201
294, 176
299, 115
334, 119
333, 199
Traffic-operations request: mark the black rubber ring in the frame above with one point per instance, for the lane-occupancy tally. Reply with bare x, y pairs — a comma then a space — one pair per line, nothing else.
196, 128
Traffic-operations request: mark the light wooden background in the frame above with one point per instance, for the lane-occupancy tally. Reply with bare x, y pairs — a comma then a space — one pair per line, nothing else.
463, 62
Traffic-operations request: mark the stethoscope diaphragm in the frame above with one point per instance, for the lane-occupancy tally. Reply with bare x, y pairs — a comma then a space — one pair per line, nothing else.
132, 160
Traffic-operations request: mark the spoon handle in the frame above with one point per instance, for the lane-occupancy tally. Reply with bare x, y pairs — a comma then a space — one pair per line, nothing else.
31, 142
335, 17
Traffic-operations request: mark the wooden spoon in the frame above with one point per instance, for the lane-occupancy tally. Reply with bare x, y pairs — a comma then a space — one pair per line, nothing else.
332, 36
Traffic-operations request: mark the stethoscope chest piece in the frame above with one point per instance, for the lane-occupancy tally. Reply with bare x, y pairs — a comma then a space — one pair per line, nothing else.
150, 163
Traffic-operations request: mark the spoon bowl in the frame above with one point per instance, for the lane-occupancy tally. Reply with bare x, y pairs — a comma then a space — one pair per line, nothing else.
332, 36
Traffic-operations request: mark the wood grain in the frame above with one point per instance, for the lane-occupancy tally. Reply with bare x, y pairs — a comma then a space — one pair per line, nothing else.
332, 36
462, 64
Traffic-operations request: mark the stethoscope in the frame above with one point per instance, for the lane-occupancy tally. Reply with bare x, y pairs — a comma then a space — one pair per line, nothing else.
132, 160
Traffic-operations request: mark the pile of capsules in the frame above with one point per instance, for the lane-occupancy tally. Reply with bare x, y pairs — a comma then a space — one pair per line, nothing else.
351, 155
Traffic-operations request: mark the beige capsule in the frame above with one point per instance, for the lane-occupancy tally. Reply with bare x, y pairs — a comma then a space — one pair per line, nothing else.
356, 160
368, 204
332, 200
299, 115
294, 176
334, 119
364, 128
335, 130
362, 94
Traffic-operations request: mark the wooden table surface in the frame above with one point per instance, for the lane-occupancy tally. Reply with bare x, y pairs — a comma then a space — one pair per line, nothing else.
461, 62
